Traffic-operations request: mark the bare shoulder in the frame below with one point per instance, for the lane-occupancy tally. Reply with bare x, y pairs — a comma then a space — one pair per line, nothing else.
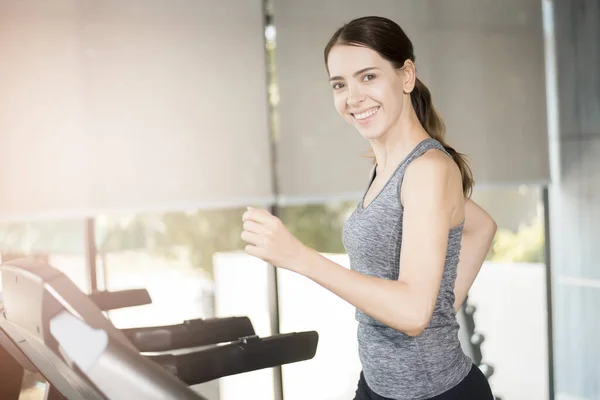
434, 164
433, 173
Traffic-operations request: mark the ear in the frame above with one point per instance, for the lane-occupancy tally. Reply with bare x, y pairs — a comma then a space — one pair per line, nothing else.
409, 76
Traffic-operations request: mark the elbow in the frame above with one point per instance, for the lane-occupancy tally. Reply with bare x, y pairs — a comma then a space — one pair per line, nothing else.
415, 317
493, 227
487, 230
479, 222
416, 324
416, 331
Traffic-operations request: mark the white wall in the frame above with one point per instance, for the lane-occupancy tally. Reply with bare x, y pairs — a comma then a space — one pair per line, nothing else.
511, 314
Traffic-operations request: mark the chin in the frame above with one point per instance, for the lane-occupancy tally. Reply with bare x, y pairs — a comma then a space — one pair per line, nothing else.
370, 134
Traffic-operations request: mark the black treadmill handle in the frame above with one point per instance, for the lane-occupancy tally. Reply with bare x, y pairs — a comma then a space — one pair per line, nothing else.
107, 301
192, 333
248, 354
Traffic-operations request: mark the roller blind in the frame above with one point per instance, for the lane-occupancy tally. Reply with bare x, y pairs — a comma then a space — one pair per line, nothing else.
132, 105
482, 61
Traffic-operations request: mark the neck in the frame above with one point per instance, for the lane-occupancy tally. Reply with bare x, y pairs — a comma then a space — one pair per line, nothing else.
395, 144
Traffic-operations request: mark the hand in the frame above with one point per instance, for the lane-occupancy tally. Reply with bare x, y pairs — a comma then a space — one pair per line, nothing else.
269, 240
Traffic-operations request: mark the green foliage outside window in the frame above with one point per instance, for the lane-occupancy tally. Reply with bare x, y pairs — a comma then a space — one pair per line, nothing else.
525, 245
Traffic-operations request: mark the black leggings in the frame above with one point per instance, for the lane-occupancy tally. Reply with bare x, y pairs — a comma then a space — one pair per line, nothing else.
474, 387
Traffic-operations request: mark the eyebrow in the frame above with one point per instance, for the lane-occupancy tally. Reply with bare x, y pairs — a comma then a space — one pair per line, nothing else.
338, 78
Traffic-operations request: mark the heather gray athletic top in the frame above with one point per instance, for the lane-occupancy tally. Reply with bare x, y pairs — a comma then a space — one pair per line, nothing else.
396, 365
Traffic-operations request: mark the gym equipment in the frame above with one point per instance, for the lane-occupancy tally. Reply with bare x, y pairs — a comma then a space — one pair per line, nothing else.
471, 340
48, 325
192, 333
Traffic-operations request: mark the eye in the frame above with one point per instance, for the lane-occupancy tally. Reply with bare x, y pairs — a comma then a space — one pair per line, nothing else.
337, 85
368, 77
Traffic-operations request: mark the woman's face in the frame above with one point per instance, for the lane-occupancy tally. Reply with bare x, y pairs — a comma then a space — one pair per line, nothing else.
367, 89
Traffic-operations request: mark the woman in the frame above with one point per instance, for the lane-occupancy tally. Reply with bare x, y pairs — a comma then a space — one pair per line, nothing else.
406, 236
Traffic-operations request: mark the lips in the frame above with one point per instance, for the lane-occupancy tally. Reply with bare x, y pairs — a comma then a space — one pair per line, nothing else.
365, 115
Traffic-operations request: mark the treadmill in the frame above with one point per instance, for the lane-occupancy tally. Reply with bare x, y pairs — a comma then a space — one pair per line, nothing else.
48, 325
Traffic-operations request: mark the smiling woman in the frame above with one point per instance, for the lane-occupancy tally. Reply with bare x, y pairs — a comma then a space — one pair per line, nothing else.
415, 241
371, 61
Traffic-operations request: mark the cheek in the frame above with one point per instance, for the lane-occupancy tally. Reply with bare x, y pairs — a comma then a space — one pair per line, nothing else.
382, 94
391, 100
339, 101
377, 93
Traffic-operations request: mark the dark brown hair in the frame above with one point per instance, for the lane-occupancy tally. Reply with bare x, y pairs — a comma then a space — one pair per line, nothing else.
389, 40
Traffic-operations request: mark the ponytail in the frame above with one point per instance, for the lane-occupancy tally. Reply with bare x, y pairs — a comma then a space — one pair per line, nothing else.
433, 124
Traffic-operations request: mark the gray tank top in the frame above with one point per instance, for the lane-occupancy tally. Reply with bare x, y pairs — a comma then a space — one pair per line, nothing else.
396, 365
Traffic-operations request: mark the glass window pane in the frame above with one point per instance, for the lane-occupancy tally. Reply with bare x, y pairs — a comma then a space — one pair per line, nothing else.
59, 243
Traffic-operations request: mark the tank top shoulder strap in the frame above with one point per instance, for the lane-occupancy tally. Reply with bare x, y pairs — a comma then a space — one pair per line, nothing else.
420, 149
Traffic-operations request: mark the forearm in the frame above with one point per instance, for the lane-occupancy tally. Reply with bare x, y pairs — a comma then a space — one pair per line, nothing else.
475, 247
390, 302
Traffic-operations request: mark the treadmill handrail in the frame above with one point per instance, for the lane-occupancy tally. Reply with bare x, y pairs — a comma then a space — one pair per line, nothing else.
114, 300
191, 333
245, 355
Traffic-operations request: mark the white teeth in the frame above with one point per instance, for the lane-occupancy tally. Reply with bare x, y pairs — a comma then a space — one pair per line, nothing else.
366, 114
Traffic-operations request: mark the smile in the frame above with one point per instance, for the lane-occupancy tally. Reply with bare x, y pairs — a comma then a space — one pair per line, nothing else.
366, 115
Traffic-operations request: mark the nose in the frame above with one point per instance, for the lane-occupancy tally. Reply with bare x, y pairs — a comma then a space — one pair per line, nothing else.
355, 96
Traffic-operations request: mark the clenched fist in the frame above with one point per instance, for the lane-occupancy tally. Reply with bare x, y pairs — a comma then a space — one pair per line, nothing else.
269, 240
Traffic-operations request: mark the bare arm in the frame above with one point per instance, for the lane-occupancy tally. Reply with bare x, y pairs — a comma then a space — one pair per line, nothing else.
406, 304
478, 233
